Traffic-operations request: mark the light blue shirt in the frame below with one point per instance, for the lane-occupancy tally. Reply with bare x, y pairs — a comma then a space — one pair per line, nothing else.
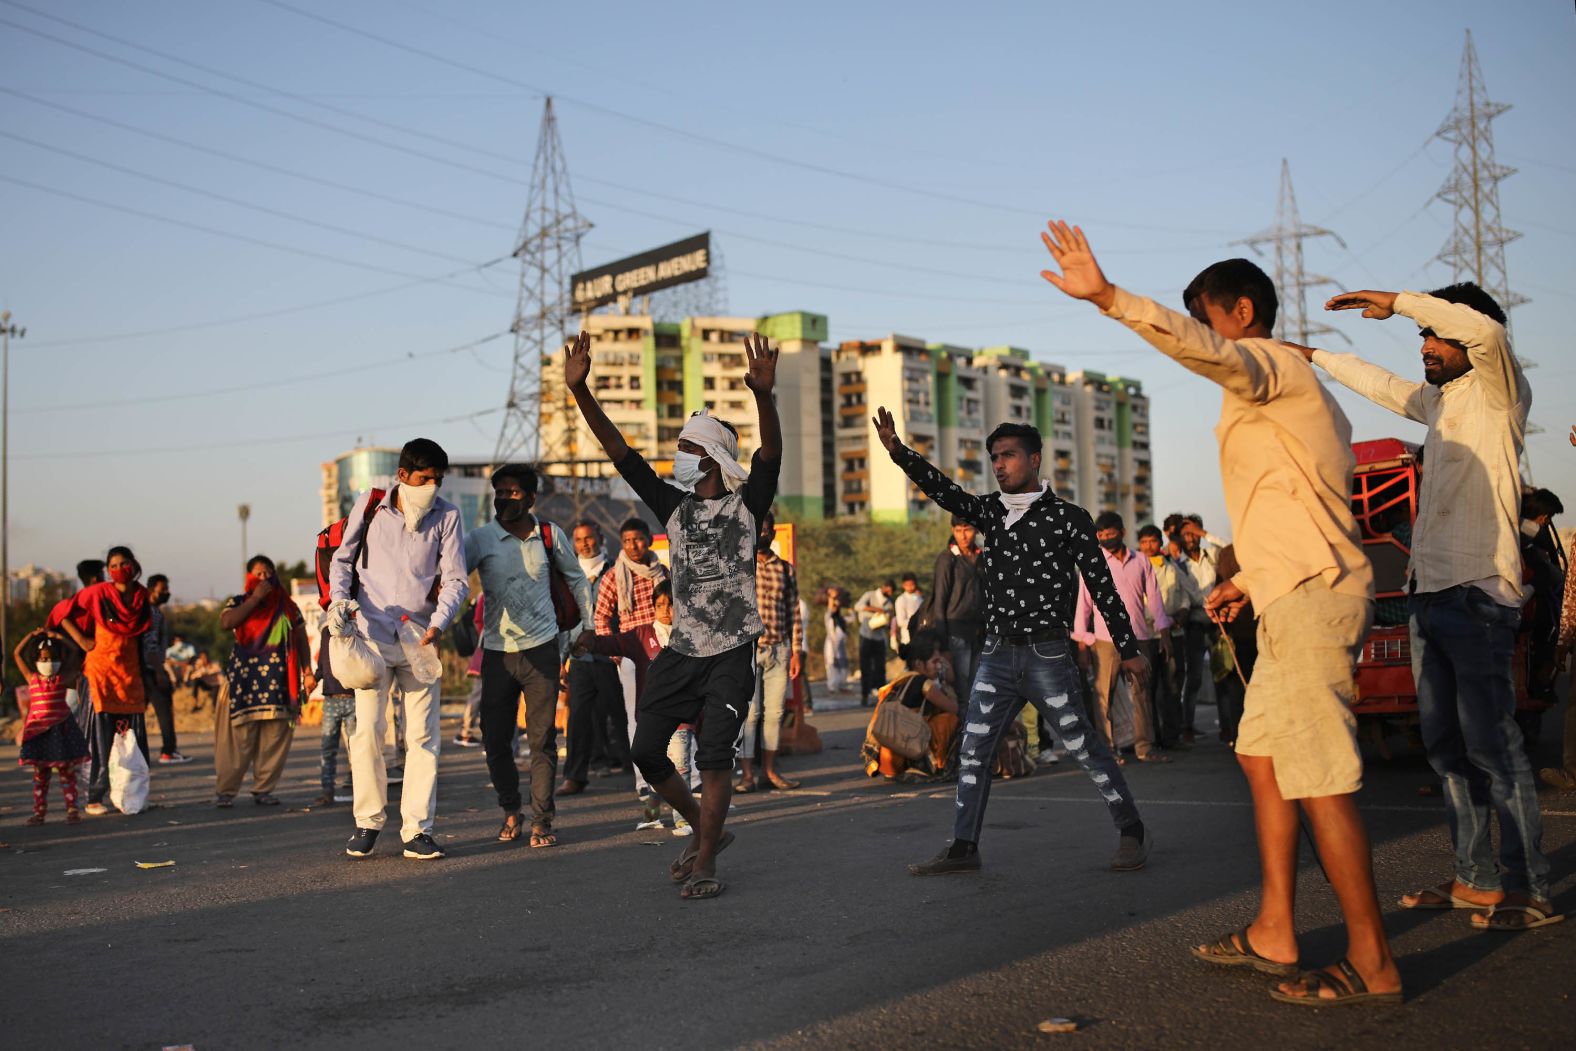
403, 570
517, 587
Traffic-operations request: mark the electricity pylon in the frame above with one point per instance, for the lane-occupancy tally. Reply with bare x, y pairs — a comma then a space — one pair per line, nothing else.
1292, 281
1476, 249
549, 254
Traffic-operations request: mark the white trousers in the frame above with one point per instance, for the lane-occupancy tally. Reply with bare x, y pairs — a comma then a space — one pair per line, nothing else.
369, 773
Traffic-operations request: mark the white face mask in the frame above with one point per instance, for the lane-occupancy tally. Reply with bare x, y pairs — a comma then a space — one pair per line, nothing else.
48, 669
1530, 527
415, 502
686, 469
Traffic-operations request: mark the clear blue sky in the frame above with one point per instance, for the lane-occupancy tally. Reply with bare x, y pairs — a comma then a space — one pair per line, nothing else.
929, 142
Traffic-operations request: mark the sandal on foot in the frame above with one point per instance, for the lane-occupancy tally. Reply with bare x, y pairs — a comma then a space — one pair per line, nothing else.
73, 816
744, 786
1536, 914
511, 830
224, 802
541, 837
265, 799
36, 819
781, 784
1440, 897
680, 869
698, 887
1234, 950
1348, 987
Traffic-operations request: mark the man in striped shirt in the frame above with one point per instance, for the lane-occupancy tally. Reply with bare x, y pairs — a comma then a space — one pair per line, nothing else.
776, 662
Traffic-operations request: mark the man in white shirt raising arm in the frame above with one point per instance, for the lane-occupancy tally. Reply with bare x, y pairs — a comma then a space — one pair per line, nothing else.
1466, 589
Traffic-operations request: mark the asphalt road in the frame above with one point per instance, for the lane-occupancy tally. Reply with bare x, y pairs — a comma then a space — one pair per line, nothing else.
264, 935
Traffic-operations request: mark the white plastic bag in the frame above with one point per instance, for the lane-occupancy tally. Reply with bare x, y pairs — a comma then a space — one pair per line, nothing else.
128, 775
352, 659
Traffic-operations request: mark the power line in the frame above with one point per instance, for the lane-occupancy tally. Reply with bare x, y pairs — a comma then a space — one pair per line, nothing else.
236, 201
260, 440
751, 151
244, 238
265, 314
283, 381
253, 162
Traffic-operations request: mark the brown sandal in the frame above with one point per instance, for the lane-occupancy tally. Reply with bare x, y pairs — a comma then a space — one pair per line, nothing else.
512, 827
543, 837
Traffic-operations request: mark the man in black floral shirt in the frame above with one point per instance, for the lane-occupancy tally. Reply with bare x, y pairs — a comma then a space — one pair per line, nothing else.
1036, 546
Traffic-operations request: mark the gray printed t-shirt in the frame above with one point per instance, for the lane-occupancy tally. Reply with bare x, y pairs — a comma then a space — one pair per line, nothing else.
711, 553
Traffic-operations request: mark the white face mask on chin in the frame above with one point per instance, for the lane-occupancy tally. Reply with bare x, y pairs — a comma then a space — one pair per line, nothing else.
48, 669
415, 502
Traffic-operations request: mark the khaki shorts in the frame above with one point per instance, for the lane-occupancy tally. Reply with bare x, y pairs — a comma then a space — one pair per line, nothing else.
1298, 706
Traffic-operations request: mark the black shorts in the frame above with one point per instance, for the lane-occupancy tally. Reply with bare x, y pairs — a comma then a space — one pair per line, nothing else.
713, 694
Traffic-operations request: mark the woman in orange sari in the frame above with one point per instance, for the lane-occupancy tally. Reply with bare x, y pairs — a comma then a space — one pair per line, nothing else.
921, 688
117, 612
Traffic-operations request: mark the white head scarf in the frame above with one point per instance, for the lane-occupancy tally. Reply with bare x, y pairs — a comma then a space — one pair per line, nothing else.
721, 444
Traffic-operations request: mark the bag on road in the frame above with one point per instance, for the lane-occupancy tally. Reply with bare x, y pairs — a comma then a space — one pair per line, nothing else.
128, 774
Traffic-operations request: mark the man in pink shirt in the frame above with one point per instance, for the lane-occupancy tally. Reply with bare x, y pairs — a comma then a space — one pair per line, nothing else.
1134, 577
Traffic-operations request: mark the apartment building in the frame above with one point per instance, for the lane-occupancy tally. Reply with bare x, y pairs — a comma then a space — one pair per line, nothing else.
650, 375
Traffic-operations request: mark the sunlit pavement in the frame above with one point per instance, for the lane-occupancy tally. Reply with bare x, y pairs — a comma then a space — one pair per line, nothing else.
264, 935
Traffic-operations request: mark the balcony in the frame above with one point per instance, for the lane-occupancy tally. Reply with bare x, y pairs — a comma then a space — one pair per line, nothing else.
845, 411
854, 476
851, 388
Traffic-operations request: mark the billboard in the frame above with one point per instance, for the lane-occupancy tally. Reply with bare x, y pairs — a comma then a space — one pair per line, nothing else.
638, 275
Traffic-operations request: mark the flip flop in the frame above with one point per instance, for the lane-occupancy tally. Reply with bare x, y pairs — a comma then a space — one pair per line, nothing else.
744, 786
679, 871
1348, 986
1226, 953
1442, 899
1535, 915
697, 888
784, 785
542, 838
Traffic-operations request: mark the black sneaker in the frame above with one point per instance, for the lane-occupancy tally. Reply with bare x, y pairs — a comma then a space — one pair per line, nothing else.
360, 845
422, 848
944, 865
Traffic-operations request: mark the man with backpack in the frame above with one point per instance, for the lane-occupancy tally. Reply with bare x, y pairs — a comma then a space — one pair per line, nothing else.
535, 600
401, 563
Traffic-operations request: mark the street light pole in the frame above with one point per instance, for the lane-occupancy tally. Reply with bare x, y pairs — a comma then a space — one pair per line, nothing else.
7, 330
243, 513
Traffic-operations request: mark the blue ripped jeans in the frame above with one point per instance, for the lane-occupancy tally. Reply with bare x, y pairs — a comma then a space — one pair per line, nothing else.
1042, 674
1463, 643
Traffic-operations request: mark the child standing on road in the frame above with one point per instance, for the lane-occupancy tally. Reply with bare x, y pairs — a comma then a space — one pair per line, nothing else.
50, 738
706, 676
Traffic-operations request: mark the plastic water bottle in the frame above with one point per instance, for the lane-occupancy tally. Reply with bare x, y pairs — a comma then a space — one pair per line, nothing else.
423, 660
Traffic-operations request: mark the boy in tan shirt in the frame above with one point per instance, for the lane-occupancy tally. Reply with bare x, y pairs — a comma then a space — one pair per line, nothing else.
1286, 467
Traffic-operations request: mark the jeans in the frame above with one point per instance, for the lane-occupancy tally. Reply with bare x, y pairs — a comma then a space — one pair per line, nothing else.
1463, 643
338, 712
771, 691
872, 666
505, 676
681, 753
163, 705
1163, 690
1194, 664
965, 662
1044, 675
596, 703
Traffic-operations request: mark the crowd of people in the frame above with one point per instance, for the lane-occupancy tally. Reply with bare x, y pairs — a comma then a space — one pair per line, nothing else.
680, 669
